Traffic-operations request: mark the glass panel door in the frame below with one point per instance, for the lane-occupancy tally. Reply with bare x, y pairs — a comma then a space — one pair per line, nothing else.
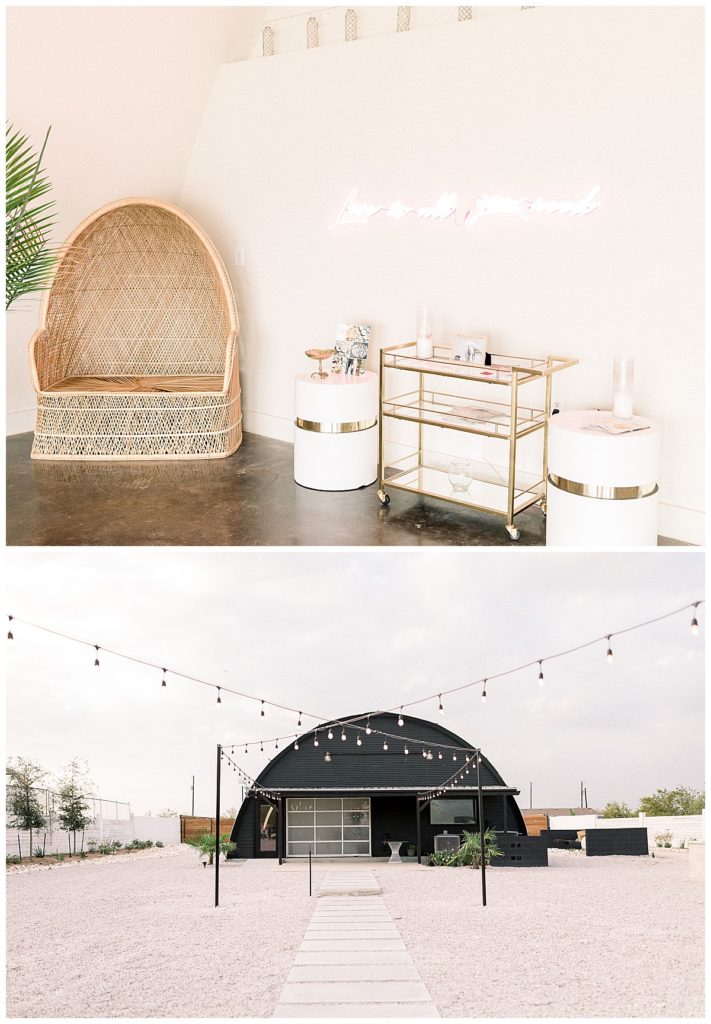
328, 827
267, 830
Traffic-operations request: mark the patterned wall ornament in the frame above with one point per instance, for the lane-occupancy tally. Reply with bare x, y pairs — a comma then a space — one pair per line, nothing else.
403, 19
268, 42
311, 33
464, 14
351, 25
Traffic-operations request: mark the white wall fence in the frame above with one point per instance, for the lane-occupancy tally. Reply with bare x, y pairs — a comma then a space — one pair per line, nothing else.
102, 829
684, 827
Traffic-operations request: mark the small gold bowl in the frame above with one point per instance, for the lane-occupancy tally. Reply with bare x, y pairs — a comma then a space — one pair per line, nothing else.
320, 354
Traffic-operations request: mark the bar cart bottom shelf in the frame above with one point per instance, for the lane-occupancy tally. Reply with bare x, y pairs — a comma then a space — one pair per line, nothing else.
488, 491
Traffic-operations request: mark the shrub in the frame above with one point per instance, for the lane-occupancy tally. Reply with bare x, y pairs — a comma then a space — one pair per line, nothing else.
82, 854
664, 838
39, 852
159, 845
91, 846
61, 856
12, 858
441, 858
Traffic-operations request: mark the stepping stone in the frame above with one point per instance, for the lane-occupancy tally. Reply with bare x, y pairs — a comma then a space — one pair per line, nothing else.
380, 1010
355, 992
363, 957
354, 972
317, 945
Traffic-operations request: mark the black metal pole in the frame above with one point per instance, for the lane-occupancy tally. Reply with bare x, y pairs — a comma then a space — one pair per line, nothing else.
481, 829
309, 870
419, 831
217, 826
192, 803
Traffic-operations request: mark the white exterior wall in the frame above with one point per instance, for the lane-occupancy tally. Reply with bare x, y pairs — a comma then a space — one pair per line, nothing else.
165, 830
683, 827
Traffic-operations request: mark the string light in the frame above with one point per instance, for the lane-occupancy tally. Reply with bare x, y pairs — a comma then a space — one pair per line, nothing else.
385, 745
315, 739
368, 730
299, 722
540, 673
406, 751
163, 682
694, 622
245, 749
609, 654
440, 755
343, 734
219, 698
483, 693
441, 707
276, 744
400, 720
96, 659
424, 752
261, 713
9, 631
330, 733
359, 742
327, 756
296, 743
261, 747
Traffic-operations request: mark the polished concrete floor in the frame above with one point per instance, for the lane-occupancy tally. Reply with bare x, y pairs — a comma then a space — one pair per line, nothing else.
248, 499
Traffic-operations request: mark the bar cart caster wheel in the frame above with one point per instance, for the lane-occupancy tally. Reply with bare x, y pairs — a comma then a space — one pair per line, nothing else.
513, 531
544, 508
384, 498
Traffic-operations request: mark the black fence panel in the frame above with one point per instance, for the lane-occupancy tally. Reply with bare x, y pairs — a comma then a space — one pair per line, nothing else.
606, 842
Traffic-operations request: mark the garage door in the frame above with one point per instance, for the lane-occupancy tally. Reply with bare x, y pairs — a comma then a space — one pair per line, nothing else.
328, 826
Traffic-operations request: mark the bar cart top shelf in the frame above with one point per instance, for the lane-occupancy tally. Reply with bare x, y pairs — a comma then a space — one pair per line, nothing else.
501, 371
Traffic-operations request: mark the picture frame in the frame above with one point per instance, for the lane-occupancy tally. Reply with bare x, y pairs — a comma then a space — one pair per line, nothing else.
351, 348
470, 348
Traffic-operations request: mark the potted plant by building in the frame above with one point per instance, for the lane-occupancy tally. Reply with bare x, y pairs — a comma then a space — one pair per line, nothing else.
411, 850
470, 850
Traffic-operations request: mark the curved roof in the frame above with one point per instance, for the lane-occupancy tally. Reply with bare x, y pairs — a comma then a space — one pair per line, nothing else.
368, 766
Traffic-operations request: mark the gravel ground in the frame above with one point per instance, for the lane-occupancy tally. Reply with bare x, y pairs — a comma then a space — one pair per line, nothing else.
138, 937
584, 937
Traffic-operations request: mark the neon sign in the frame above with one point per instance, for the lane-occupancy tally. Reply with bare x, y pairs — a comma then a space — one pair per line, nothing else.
358, 211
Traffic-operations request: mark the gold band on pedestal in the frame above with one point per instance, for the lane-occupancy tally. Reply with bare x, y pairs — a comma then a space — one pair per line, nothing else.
335, 428
606, 492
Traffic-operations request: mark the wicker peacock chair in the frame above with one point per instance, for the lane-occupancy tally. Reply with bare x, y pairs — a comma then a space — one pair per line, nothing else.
136, 352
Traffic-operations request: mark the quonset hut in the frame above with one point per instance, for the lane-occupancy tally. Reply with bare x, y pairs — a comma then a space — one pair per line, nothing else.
345, 790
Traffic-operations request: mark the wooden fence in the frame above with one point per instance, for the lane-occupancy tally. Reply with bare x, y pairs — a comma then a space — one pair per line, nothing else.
191, 828
534, 822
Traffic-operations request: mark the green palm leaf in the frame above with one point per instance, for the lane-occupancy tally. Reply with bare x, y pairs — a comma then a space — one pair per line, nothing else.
29, 259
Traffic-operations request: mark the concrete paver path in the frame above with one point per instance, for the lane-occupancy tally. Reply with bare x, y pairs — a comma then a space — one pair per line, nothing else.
352, 961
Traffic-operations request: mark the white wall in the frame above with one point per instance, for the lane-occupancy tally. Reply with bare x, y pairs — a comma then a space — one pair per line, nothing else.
684, 827
124, 89
549, 101
165, 830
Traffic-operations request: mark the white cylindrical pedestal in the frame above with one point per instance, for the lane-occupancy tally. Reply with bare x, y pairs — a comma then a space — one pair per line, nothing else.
602, 488
336, 432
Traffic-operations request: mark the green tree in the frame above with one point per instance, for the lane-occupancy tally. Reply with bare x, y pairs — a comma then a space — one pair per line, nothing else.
205, 845
23, 804
617, 809
75, 786
682, 800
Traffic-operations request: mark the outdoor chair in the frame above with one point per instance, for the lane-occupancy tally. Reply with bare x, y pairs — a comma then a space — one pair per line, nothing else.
136, 353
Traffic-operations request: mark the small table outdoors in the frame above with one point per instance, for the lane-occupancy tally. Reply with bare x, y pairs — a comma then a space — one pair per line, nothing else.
395, 857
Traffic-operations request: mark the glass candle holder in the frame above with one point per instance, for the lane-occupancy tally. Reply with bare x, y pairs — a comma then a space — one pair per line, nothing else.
460, 475
425, 348
623, 387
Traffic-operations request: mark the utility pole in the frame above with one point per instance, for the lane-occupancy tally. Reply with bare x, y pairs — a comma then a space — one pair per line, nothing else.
581, 795
530, 796
192, 806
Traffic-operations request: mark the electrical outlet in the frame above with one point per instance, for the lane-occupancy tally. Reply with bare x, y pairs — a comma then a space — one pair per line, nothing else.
557, 406
239, 256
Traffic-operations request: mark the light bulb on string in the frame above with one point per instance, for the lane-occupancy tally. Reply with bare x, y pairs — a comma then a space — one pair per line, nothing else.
540, 673
483, 693
609, 654
315, 739
9, 631
385, 744
424, 752
96, 659
454, 757
429, 756
330, 734
299, 722
368, 730
219, 698
245, 749
406, 751
359, 742
261, 713
695, 622
441, 706
261, 747
440, 755
343, 734
400, 719
163, 682
276, 744
327, 756
296, 742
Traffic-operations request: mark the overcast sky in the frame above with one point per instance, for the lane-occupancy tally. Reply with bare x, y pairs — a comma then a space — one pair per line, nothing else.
339, 633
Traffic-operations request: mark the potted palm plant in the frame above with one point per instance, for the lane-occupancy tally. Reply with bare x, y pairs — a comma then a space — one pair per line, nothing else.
29, 259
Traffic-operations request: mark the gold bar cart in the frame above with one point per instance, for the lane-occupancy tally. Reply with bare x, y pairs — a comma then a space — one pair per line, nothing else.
443, 392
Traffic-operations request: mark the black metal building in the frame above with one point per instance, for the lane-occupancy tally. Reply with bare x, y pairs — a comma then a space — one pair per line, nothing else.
344, 797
